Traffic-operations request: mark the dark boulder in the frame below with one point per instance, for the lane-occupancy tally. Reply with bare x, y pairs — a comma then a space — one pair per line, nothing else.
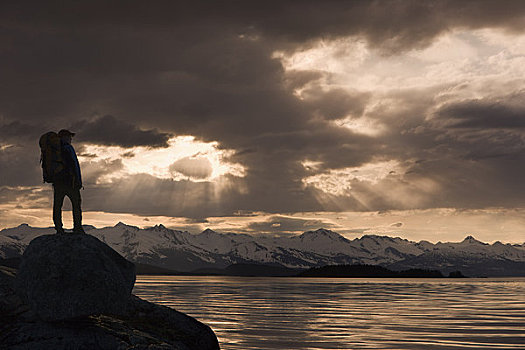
10, 303
147, 326
74, 292
74, 275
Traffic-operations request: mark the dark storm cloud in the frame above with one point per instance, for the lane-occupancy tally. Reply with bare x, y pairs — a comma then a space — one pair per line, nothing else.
72, 59
19, 165
482, 114
17, 131
111, 131
206, 69
476, 165
395, 24
484, 128
336, 103
390, 26
475, 183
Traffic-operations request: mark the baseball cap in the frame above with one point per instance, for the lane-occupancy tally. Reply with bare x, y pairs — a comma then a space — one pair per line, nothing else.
65, 132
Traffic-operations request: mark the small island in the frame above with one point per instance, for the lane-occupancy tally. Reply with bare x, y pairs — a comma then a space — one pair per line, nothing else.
265, 270
372, 271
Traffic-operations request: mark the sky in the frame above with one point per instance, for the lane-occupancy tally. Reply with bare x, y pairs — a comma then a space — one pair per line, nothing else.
404, 118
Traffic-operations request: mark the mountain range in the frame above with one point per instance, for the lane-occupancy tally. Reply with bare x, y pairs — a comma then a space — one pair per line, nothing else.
183, 251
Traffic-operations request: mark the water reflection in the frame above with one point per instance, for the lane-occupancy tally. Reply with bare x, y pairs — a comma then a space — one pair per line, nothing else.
311, 313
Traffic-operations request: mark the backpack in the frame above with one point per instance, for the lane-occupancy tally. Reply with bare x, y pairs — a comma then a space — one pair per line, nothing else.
51, 156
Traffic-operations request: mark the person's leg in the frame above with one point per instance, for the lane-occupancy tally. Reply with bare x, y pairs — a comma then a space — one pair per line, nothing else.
58, 200
76, 201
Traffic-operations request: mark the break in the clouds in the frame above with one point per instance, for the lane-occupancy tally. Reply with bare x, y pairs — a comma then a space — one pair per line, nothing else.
203, 109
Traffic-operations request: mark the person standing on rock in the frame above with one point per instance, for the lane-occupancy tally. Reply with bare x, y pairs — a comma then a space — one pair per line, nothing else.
68, 183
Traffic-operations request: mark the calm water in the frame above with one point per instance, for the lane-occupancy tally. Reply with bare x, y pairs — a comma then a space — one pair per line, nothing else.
313, 313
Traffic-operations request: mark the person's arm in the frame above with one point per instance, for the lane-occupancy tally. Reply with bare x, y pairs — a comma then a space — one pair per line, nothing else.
73, 166
76, 168
67, 160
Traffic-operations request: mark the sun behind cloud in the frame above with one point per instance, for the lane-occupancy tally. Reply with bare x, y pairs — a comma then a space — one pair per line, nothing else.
183, 158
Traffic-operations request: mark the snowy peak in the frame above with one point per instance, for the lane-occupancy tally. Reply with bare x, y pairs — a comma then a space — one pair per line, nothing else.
519, 246
158, 228
472, 240
208, 232
321, 234
25, 233
321, 241
378, 239
211, 237
220, 243
425, 245
388, 248
122, 225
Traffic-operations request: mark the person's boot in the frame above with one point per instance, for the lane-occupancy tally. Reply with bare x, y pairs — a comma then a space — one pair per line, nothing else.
78, 229
60, 231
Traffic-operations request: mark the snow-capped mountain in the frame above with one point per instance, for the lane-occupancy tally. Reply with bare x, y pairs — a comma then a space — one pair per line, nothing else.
183, 251
472, 257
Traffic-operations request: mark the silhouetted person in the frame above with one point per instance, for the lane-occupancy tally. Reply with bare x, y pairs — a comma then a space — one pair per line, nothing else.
68, 183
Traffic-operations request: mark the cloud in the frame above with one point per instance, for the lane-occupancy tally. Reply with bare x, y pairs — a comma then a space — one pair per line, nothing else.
484, 114
335, 103
147, 195
26, 197
19, 165
16, 131
110, 131
199, 168
95, 171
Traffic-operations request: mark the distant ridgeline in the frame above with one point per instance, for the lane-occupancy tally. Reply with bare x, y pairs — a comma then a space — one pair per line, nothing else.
372, 271
160, 250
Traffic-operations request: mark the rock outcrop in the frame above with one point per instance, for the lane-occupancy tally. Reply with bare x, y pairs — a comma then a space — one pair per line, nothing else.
74, 275
74, 292
10, 303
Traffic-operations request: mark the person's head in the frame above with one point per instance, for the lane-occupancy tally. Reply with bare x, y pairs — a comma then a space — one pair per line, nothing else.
66, 135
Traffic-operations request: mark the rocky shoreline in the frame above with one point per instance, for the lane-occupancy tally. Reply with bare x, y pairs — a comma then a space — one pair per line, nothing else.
74, 292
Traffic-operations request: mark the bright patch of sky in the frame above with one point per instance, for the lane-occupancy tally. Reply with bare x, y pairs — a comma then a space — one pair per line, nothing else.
184, 158
363, 125
474, 57
339, 182
3, 147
